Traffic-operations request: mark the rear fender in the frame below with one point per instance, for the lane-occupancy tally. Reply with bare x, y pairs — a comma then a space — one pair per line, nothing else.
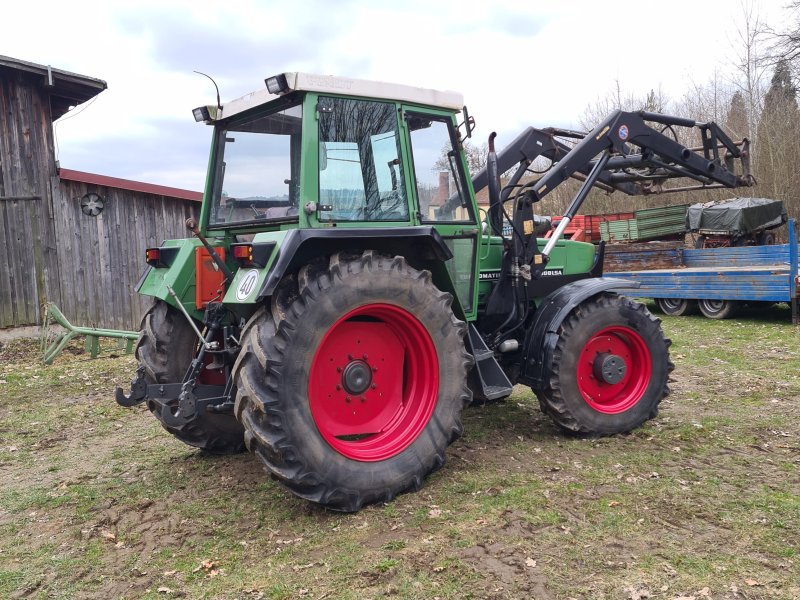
542, 336
422, 247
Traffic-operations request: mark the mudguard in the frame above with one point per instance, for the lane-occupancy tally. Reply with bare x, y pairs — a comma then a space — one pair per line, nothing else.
542, 336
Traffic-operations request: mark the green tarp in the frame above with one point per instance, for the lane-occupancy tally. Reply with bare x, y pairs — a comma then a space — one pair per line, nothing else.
738, 216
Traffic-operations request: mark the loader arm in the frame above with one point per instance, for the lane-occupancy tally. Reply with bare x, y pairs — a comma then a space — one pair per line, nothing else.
637, 153
531, 144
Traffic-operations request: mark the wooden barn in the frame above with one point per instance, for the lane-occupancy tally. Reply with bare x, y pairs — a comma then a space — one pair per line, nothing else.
72, 238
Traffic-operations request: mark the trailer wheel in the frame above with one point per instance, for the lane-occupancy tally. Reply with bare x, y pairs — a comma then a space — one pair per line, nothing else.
766, 238
610, 368
677, 307
351, 392
718, 309
165, 349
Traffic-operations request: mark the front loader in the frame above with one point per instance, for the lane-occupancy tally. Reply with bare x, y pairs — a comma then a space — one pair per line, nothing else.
340, 301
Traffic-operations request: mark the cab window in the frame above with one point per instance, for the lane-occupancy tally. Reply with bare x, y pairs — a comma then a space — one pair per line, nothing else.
360, 172
437, 170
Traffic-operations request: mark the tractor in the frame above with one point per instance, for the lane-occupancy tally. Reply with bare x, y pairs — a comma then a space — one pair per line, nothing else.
341, 299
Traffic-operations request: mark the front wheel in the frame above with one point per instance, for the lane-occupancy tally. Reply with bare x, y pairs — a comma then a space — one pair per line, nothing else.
609, 370
351, 390
718, 309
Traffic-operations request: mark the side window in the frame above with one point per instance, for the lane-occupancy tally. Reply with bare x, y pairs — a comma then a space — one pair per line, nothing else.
437, 171
360, 173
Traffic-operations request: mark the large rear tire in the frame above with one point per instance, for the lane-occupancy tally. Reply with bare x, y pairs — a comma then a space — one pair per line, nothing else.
165, 349
352, 386
610, 368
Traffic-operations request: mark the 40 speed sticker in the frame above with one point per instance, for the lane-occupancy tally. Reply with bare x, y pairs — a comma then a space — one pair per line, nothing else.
247, 285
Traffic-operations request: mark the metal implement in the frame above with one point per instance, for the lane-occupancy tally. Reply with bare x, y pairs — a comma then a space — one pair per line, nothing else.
53, 343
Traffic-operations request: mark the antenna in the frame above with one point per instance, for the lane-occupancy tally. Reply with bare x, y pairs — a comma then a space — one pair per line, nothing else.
219, 104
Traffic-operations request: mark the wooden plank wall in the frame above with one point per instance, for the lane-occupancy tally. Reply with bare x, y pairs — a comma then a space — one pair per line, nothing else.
29, 266
101, 258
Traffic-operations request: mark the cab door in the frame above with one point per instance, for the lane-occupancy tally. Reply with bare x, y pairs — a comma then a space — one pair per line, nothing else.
443, 195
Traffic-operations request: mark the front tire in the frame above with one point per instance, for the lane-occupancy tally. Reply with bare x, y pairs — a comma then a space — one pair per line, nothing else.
165, 349
610, 368
351, 390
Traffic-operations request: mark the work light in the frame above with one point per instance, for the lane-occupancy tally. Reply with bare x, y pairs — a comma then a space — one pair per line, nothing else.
201, 114
277, 84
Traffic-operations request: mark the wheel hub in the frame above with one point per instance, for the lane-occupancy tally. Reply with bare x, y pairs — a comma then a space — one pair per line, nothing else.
609, 368
356, 377
614, 369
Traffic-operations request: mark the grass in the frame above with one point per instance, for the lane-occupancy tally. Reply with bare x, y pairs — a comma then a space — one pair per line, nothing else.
98, 501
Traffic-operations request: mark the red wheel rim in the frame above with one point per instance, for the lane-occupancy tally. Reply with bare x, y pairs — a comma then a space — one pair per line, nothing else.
373, 383
611, 347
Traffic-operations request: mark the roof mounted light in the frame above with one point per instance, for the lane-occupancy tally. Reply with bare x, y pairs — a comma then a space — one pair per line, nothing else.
277, 84
201, 114
206, 114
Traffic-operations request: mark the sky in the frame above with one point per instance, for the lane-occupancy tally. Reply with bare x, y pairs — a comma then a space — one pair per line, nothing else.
517, 63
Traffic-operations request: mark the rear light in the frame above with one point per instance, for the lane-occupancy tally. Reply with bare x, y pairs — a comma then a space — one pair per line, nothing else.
160, 257
152, 256
254, 254
243, 253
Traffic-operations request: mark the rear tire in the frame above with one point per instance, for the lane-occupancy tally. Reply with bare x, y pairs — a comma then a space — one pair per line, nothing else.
615, 333
351, 389
677, 307
718, 309
165, 349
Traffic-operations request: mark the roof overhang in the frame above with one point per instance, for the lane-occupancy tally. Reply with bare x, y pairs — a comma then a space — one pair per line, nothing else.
64, 88
344, 86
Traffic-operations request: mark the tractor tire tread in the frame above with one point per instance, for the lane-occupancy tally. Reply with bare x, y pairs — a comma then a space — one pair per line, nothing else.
552, 400
262, 409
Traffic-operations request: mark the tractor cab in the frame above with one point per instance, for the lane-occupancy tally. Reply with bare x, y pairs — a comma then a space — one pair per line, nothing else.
313, 152
318, 154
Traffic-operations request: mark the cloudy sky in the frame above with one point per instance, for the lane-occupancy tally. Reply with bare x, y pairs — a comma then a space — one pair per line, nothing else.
517, 63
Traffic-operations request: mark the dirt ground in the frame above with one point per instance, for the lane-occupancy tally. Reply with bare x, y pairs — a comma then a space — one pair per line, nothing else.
703, 502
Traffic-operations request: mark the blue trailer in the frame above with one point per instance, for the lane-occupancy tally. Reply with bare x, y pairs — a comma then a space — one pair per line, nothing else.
716, 281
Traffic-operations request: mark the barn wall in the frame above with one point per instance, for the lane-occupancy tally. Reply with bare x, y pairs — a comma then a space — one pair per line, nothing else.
29, 263
101, 258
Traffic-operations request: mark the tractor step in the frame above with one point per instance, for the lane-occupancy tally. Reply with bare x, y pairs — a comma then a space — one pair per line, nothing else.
487, 380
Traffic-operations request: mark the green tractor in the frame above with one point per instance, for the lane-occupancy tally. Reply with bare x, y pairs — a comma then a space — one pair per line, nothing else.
341, 301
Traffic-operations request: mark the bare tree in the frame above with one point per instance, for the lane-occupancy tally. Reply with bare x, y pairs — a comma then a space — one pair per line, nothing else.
787, 42
751, 64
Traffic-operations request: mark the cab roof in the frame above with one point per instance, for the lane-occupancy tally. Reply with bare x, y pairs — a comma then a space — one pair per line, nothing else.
290, 82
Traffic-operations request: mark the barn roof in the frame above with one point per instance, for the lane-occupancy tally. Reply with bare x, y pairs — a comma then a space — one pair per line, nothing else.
65, 89
127, 184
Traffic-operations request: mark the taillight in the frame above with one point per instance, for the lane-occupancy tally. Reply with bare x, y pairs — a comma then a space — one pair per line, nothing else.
153, 256
243, 253
255, 254
160, 257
